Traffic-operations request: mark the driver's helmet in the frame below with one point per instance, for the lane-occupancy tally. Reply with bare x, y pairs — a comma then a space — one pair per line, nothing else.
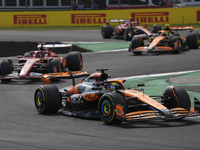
165, 34
39, 55
110, 86
130, 19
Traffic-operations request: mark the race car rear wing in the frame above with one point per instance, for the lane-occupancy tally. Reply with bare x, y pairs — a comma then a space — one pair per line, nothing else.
46, 79
182, 28
120, 20
53, 45
47, 47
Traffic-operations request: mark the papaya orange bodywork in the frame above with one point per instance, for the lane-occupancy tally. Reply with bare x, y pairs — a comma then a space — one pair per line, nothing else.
156, 41
141, 49
182, 28
120, 111
144, 98
73, 90
164, 48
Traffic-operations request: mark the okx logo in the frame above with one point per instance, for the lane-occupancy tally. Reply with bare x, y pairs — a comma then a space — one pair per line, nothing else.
37, 19
151, 17
97, 18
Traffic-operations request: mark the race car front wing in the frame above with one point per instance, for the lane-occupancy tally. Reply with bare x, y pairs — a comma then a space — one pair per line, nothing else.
169, 114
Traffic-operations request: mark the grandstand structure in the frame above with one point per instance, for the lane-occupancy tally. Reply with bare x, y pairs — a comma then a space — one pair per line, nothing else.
21, 5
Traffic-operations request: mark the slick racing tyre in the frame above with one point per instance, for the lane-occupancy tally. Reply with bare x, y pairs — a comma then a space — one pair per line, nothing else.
6, 67
193, 40
176, 43
47, 99
107, 105
178, 98
136, 42
128, 33
54, 65
106, 31
74, 61
156, 28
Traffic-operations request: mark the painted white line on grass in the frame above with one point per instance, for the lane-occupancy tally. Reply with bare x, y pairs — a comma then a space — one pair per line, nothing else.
155, 75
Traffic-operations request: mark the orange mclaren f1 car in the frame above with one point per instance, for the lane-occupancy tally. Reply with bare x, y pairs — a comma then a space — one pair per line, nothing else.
167, 40
109, 100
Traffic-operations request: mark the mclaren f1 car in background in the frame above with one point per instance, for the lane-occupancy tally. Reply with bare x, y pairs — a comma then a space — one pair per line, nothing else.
35, 63
167, 40
125, 30
109, 100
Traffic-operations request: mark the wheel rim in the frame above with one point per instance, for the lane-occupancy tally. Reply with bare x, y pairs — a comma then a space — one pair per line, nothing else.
103, 32
198, 40
179, 45
38, 99
80, 62
106, 108
130, 34
125, 34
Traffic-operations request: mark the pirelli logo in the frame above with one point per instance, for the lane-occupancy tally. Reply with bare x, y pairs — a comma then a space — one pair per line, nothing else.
198, 15
97, 18
151, 17
37, 19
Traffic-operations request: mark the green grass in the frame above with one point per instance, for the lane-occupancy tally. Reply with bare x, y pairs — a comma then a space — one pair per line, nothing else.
78, 27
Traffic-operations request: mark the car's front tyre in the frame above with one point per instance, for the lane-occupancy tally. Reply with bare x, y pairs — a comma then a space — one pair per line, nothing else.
47, 99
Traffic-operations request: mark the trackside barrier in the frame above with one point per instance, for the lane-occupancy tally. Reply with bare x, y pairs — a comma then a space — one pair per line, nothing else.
98, 17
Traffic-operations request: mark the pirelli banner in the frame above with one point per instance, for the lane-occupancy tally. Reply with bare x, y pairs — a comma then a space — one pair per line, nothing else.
99, 17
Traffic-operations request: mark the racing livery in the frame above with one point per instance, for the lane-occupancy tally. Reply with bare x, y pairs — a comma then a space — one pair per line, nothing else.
33, 64
167, 40
109, 100
126, 30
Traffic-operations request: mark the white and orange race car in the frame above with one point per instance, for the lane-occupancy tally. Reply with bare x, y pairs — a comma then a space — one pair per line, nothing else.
166, 40
109, 100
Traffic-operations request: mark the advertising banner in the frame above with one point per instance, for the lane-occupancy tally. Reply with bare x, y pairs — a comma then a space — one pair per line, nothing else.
183, 16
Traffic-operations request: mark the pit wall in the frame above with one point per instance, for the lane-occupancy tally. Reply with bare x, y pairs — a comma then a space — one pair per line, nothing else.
185, 15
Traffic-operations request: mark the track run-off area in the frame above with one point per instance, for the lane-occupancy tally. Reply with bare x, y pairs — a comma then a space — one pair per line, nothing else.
22, 127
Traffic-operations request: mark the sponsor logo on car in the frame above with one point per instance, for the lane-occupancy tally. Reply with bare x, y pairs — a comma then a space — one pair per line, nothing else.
151, 17
37, 19
90, 97
97, 18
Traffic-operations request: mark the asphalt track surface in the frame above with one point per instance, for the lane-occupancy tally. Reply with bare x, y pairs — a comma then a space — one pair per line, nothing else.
21, 127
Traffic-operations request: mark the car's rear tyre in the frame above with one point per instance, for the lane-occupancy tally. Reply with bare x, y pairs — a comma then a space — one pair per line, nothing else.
156, 28
47, 99
107, 106
54, 66
6, 67
193, 40
128, 33
74, 61
106, 31
176, 43
178, 98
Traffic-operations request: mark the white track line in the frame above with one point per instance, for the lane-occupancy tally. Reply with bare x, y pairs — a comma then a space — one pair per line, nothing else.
156, 75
